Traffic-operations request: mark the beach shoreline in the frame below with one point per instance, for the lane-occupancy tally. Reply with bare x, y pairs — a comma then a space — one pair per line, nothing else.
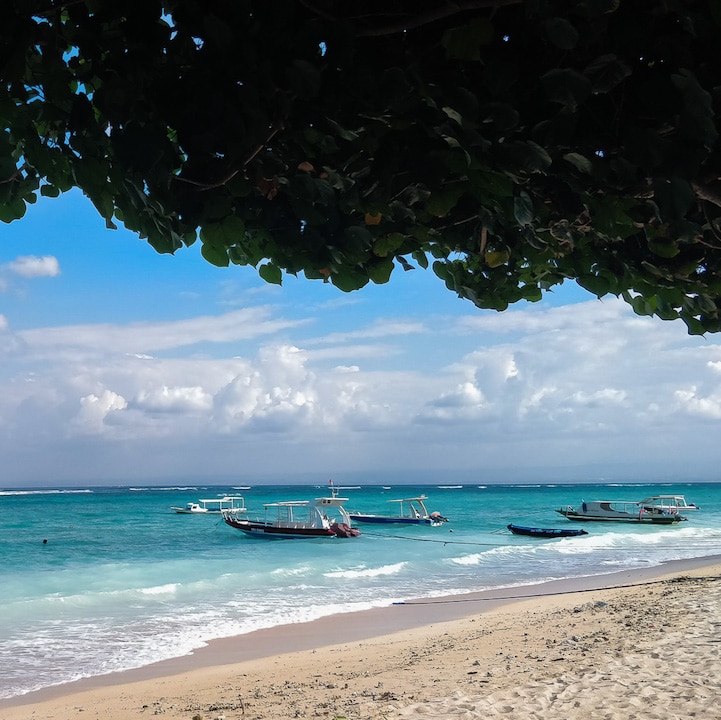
275, 673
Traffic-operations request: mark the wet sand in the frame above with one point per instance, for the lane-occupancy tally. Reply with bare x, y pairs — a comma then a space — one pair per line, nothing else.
640, 644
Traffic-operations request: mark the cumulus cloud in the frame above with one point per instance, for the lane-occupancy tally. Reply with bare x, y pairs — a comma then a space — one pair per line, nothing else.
94, 410
32, 266
580, 385
173, 399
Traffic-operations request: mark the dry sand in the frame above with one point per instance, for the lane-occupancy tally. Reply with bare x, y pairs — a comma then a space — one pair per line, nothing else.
621, 653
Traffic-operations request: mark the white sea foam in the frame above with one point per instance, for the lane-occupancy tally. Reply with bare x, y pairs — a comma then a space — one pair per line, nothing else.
366, 572
46, 492
292, 571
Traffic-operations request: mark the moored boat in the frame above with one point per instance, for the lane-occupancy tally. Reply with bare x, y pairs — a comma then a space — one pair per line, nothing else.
234, 503
320, 518
545, 532
409, 511
620, 511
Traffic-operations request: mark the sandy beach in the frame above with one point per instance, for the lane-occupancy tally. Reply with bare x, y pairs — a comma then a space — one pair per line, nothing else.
634, 645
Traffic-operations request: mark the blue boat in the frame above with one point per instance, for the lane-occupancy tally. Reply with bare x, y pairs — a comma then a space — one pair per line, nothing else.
545, 532
409, 511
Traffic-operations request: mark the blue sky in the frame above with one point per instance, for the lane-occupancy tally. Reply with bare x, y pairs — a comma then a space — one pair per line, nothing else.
122, 366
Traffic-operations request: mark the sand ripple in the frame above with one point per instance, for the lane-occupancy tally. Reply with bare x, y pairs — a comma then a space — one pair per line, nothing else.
665, 665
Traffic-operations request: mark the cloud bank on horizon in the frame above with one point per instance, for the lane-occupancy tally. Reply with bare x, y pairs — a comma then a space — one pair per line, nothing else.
586, 392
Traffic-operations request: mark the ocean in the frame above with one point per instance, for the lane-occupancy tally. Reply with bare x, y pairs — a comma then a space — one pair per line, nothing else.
96, 580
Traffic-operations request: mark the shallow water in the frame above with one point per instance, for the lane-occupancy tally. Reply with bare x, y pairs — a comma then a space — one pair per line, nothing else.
122, 581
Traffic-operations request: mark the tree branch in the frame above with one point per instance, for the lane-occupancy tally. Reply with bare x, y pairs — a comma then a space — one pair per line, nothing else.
451, 8
228, 178
704, 192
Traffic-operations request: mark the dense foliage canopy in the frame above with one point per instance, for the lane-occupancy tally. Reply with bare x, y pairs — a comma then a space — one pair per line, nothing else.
513, 144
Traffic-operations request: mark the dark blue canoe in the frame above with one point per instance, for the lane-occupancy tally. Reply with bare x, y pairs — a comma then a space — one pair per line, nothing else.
545, 532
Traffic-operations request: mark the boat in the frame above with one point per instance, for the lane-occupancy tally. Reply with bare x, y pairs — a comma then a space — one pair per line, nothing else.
323, 517
233, 503
669, 503
411, 511
545, 532
620, 511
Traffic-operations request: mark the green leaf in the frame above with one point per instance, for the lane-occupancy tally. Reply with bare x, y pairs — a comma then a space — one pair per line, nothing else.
561, 33
663, 247
421, 258
566, 87
215, 255
380, 271
12, 211
49, 191
580, 162
595, 284
388, 244
271, 274
304, 79
695, 326
496, 258
606, 73
443, 200
357, 241
223, 233
523, 209
348, 279
673, 197
465, 42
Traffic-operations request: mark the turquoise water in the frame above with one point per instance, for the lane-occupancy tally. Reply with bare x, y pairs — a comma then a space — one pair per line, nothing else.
123, 582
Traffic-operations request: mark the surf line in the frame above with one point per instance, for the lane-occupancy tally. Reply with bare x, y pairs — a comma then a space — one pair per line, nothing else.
683, 578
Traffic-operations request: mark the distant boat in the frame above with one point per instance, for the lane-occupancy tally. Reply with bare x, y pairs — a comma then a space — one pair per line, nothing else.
620, 511
234, 503
409, 511
320, 518
545, 532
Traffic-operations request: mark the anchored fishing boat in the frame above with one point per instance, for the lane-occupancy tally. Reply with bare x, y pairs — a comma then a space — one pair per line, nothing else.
236, 503
323, 517
620, 511
545, 532
411, 511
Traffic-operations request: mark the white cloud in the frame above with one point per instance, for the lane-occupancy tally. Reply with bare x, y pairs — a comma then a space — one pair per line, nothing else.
31, 266
174, 399
94, 410
142, 338
579, 385
694, 404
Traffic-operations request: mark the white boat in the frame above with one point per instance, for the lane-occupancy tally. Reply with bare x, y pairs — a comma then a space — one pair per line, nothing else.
230, 503
320, 518
620, 511
669, 503
409, 511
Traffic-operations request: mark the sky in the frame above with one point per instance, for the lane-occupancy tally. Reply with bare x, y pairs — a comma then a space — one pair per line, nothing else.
121, 366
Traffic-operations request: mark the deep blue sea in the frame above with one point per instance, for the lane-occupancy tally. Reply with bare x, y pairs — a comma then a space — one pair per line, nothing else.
123, 581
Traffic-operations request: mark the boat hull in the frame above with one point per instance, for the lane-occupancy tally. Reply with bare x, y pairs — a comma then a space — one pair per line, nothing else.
262, 529
643, 519
545, 532
273, 530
